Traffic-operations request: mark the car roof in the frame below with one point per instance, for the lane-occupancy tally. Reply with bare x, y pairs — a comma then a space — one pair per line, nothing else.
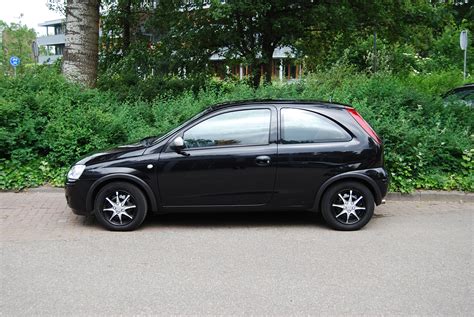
466, 87
278, 102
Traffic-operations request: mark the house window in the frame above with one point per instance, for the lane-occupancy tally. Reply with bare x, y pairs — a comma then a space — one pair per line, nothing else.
59, 50
58, 29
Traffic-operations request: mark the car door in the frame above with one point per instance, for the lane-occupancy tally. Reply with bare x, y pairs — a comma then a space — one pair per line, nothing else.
311, 148
228, 160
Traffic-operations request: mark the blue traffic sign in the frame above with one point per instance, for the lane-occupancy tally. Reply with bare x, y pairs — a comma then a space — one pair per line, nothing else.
14, 61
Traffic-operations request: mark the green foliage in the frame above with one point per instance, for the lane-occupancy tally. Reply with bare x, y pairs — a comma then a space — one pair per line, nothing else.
147, 50
412, 37
435, 83
46, 124
16, 175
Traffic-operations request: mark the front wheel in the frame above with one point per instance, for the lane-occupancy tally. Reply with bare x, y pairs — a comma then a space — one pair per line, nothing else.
347, 206
120, 206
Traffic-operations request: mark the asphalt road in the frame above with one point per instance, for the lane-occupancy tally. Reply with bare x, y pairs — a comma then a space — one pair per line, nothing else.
414, 258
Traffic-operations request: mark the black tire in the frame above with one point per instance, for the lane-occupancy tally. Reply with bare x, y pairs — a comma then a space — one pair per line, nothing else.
120, 206
338, 208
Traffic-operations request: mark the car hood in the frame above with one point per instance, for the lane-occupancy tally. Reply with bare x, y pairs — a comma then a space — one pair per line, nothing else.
120, 152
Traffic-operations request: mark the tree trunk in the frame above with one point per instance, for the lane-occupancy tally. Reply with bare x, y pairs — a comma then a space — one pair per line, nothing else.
255, 75
126, 16
267, 57
82, 42
267, 70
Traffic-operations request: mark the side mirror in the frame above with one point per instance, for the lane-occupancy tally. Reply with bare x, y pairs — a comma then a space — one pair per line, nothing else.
177, 144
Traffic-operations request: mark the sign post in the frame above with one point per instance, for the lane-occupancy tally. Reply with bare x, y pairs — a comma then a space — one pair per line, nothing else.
463, 44
375, 52
34, 48
14, 61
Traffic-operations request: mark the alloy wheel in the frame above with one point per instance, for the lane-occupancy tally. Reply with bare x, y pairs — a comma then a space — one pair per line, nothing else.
119, 208
348, 206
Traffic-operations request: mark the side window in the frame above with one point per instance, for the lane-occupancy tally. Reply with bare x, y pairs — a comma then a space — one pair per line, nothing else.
302, 126
243, 127
469, 97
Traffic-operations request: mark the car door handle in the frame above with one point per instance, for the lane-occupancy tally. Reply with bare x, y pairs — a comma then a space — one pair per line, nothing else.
262, 160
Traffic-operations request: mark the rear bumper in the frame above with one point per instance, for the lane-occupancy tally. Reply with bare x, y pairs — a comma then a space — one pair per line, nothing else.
380, 177
382, 181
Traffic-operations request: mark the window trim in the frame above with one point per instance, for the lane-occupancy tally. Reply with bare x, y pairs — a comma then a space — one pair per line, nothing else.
215, 114
323, 141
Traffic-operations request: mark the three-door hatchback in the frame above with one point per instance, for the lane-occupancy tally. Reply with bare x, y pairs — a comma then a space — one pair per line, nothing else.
249, 156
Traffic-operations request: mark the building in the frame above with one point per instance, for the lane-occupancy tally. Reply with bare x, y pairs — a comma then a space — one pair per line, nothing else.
284, 66
53, 42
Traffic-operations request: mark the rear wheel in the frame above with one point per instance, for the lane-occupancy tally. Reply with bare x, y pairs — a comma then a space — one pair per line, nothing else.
120, 206
348, 206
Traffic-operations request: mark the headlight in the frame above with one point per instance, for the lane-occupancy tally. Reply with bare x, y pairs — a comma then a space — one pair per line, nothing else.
75, 172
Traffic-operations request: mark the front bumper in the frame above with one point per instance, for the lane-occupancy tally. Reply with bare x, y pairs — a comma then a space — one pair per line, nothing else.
76, 196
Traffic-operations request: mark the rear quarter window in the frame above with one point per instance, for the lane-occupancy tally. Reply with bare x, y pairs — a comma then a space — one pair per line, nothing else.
304, 126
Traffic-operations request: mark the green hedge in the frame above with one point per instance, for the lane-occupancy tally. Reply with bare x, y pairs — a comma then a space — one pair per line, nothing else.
47, 124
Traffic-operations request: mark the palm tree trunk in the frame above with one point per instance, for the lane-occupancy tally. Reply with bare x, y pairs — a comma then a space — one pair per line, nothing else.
82, 42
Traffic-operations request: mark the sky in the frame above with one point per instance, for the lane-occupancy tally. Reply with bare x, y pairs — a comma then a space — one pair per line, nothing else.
34, 12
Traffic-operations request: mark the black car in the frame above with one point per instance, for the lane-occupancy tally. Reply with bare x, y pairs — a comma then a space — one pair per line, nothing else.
464, 94
242, 156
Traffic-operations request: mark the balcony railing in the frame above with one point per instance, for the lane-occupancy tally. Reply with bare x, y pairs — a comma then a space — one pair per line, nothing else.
51, 39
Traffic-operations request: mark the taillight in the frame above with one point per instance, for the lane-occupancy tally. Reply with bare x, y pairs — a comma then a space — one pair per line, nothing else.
367, 128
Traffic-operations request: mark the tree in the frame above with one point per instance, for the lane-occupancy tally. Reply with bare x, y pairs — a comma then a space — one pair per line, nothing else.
241, 30
122, 23
351, 27
82, 41
254, 29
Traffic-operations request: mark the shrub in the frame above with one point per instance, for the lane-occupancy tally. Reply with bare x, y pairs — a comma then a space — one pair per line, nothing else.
47, 124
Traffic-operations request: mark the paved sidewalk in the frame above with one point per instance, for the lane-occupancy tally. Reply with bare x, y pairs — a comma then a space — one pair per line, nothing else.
43, 213
32, 215
413, 258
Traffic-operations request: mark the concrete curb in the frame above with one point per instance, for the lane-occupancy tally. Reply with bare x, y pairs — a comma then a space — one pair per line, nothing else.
432, 195
419, 195
43, 189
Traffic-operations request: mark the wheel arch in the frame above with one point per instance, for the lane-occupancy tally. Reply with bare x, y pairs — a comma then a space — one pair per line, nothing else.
134, 180
347, 177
